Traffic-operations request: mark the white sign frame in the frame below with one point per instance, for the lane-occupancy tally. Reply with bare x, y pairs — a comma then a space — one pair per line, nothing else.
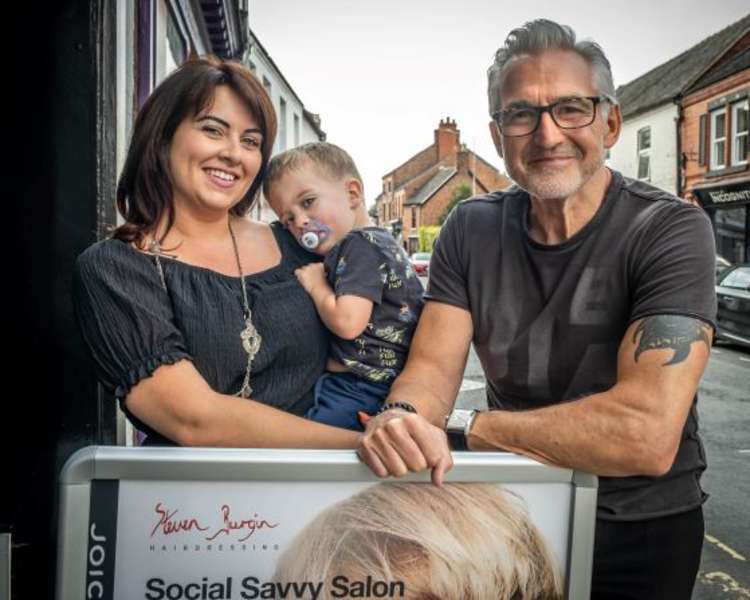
77, 546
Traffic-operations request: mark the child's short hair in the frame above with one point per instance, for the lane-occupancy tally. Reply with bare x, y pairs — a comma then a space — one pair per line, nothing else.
334, 160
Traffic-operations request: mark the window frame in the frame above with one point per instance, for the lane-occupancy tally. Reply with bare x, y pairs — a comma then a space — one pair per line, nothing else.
643, 152
282, 130
714, 165
735, 135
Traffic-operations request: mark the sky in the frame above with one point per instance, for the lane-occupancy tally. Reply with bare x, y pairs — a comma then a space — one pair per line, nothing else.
383, 73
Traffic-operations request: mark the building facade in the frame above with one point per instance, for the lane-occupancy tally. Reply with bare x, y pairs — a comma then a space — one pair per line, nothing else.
715, 131
649, 147
419, 192
297, 125
84, 68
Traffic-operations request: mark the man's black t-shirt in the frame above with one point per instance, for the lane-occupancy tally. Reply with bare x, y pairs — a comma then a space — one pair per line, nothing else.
548, 319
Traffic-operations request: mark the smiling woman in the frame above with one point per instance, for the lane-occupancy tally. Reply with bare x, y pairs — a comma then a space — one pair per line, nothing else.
215, 155
191, 311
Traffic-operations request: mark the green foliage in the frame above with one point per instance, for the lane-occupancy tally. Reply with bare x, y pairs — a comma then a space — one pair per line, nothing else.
427, 236
462, 192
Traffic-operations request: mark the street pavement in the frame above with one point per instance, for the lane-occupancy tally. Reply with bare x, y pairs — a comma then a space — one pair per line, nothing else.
724, 413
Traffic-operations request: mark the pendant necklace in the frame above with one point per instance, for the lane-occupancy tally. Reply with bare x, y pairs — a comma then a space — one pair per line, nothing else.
250, 337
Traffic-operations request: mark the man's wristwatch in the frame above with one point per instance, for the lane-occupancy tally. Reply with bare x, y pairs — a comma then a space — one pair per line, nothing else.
457, 426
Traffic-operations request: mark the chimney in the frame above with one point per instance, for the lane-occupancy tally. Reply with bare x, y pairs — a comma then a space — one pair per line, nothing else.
447, 138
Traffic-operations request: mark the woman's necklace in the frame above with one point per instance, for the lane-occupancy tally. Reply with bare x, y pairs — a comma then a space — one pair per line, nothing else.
249, 335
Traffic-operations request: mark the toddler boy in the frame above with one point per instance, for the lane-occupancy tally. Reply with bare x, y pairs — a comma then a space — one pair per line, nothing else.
365, 290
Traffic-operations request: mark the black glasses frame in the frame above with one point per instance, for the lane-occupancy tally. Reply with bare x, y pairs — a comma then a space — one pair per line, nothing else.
596, 100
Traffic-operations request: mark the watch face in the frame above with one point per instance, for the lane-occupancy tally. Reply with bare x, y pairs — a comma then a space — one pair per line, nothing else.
459, 419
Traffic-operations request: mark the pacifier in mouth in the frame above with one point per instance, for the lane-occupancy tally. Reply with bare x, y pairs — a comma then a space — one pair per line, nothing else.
314, 234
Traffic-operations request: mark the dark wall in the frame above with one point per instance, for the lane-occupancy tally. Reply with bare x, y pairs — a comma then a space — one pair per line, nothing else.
60, 168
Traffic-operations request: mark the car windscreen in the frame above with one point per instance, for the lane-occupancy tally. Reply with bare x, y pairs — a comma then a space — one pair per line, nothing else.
738, 279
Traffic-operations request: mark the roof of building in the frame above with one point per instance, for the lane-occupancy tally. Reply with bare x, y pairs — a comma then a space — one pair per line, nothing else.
438, 180
314, 120
464, 148
666, 81
225, 27
736, 64
408, 160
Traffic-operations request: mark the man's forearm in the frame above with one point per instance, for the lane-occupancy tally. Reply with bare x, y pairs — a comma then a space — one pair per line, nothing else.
595, 434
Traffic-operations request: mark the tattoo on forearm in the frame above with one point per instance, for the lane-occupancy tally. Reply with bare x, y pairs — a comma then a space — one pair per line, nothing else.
673, 332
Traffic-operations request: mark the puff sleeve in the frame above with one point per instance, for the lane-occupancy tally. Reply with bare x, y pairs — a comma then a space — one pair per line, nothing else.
124, 315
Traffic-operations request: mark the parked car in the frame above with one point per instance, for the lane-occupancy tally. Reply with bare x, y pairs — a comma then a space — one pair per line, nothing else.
420, 261
733, 298
722, 264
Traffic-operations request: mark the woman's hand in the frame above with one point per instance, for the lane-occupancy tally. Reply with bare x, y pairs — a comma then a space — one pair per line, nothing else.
311, 276
397, 442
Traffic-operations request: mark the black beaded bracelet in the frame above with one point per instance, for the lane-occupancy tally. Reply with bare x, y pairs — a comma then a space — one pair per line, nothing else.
402, 405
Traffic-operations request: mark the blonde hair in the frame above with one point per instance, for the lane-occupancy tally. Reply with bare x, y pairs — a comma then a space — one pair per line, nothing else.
461, 541
335, 161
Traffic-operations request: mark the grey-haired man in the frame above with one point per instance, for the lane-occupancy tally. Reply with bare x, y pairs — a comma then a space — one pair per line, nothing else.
589, 298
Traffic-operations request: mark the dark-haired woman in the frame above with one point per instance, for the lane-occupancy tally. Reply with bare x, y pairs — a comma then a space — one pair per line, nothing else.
191, 311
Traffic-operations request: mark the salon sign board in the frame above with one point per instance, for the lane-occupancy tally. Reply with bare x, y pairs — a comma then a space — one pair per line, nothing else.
199, 524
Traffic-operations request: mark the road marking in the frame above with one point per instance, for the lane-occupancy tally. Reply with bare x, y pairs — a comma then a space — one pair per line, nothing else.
744, 451
726, 581
716, 351
744, 359
722, 546
469, 384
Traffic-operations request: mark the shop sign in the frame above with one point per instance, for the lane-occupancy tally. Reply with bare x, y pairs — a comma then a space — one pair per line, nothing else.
725, 195
198, 524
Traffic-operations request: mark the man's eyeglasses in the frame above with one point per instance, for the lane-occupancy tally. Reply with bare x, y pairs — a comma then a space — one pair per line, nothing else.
567, 113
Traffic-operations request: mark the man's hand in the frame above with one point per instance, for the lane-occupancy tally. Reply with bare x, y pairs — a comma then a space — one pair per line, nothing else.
311, 276
396, 442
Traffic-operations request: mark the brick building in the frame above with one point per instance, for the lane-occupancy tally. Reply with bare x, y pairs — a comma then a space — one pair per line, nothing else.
714, 132
418, 192
648, 147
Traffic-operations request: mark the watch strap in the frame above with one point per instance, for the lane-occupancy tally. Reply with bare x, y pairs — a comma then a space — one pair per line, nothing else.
457, 437
457, 440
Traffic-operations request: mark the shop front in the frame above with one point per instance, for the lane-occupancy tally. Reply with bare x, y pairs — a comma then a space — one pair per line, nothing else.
728, 206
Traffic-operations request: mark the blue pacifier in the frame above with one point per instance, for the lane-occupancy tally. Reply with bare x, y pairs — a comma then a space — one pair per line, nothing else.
314, 234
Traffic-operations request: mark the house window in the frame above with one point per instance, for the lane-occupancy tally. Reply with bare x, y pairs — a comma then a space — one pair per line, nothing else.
644, 153
296, 130
718, 138
413, 217
267, 85
739, 132
282, 124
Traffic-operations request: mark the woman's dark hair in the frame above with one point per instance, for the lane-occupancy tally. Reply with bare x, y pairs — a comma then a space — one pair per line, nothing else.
144, 191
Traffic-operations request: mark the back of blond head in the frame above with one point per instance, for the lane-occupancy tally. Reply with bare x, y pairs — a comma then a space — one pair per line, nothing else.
330, 158
458, 542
